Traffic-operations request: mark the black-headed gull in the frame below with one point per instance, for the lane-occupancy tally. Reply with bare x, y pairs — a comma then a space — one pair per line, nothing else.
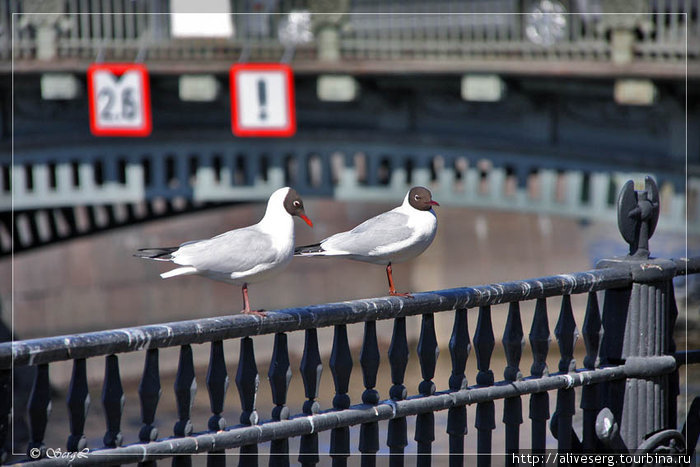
391, 237
241, 256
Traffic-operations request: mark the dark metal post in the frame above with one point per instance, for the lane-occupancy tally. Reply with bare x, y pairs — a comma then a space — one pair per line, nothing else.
149, 394
185, 389
78, 404
397, 438
645, 407
428, 351
113, 402
5, 410
674, 382
217, 385
38, 409
592, 332
539, 402
637, 323
310, 369
341, 368
513, 341
247, 382
567, 335
369, 360
280, 374
457, 416
485, 419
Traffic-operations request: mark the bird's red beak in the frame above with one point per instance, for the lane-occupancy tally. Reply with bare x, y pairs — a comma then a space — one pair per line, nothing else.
306, 219
434, 203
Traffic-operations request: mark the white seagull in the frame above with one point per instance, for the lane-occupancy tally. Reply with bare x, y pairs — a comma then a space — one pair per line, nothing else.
241, 256
391, 237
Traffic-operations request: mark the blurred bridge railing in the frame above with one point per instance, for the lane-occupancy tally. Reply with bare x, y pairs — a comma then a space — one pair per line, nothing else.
629, 377
645, 37
63, 193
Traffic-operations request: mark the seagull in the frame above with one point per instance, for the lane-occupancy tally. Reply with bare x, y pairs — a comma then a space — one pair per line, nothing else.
391, 237
240, 256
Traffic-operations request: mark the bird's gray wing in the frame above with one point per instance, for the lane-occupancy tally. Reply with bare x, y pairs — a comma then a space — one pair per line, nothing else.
384, 229
235, 251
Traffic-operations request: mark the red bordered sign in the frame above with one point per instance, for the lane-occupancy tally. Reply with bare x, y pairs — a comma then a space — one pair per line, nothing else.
120, 99
262, 100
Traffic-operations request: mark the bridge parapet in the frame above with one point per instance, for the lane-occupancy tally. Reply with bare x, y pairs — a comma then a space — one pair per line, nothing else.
46, 185
647, 37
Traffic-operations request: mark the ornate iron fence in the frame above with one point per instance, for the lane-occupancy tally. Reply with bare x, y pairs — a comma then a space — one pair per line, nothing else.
629, 377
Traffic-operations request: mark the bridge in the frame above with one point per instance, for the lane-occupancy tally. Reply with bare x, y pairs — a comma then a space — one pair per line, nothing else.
556, 139
109, 187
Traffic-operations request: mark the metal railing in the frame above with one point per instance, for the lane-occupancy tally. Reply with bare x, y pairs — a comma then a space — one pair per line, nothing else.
47, 186
484, 29
629, 376
647, 31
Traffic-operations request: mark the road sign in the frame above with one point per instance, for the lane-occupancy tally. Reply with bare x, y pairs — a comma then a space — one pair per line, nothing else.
262, 100
120, 100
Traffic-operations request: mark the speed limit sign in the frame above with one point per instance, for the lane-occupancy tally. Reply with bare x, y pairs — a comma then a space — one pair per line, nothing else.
120, 100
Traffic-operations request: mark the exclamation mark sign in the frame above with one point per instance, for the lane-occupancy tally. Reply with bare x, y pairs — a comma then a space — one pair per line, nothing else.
262, 98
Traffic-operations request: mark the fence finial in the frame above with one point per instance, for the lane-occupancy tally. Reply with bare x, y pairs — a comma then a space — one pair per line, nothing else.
637, 215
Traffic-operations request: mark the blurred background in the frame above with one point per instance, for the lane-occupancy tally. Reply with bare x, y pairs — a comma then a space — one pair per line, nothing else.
524, 118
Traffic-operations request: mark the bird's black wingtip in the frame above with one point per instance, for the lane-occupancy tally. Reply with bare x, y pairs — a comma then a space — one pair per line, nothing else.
307, 249
163, 254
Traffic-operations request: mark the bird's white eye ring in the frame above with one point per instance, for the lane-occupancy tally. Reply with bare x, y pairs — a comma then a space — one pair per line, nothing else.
296, 203
416, 197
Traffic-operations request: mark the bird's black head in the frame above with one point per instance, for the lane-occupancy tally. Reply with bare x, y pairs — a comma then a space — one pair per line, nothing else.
420, 198
295, 206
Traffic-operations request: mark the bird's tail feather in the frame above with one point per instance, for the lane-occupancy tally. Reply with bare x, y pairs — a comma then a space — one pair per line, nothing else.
308, 249
183, 271
158, 254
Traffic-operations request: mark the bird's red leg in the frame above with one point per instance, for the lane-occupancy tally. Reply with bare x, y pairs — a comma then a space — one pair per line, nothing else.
392, 289
246, 304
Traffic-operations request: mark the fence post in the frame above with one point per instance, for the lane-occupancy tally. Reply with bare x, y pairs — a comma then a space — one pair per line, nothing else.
636, 320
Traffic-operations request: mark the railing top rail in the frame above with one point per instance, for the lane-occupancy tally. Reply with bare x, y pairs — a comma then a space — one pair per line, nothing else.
326, 142
85, 345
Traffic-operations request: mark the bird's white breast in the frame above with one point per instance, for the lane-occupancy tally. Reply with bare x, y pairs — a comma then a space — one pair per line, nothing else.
281, 231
